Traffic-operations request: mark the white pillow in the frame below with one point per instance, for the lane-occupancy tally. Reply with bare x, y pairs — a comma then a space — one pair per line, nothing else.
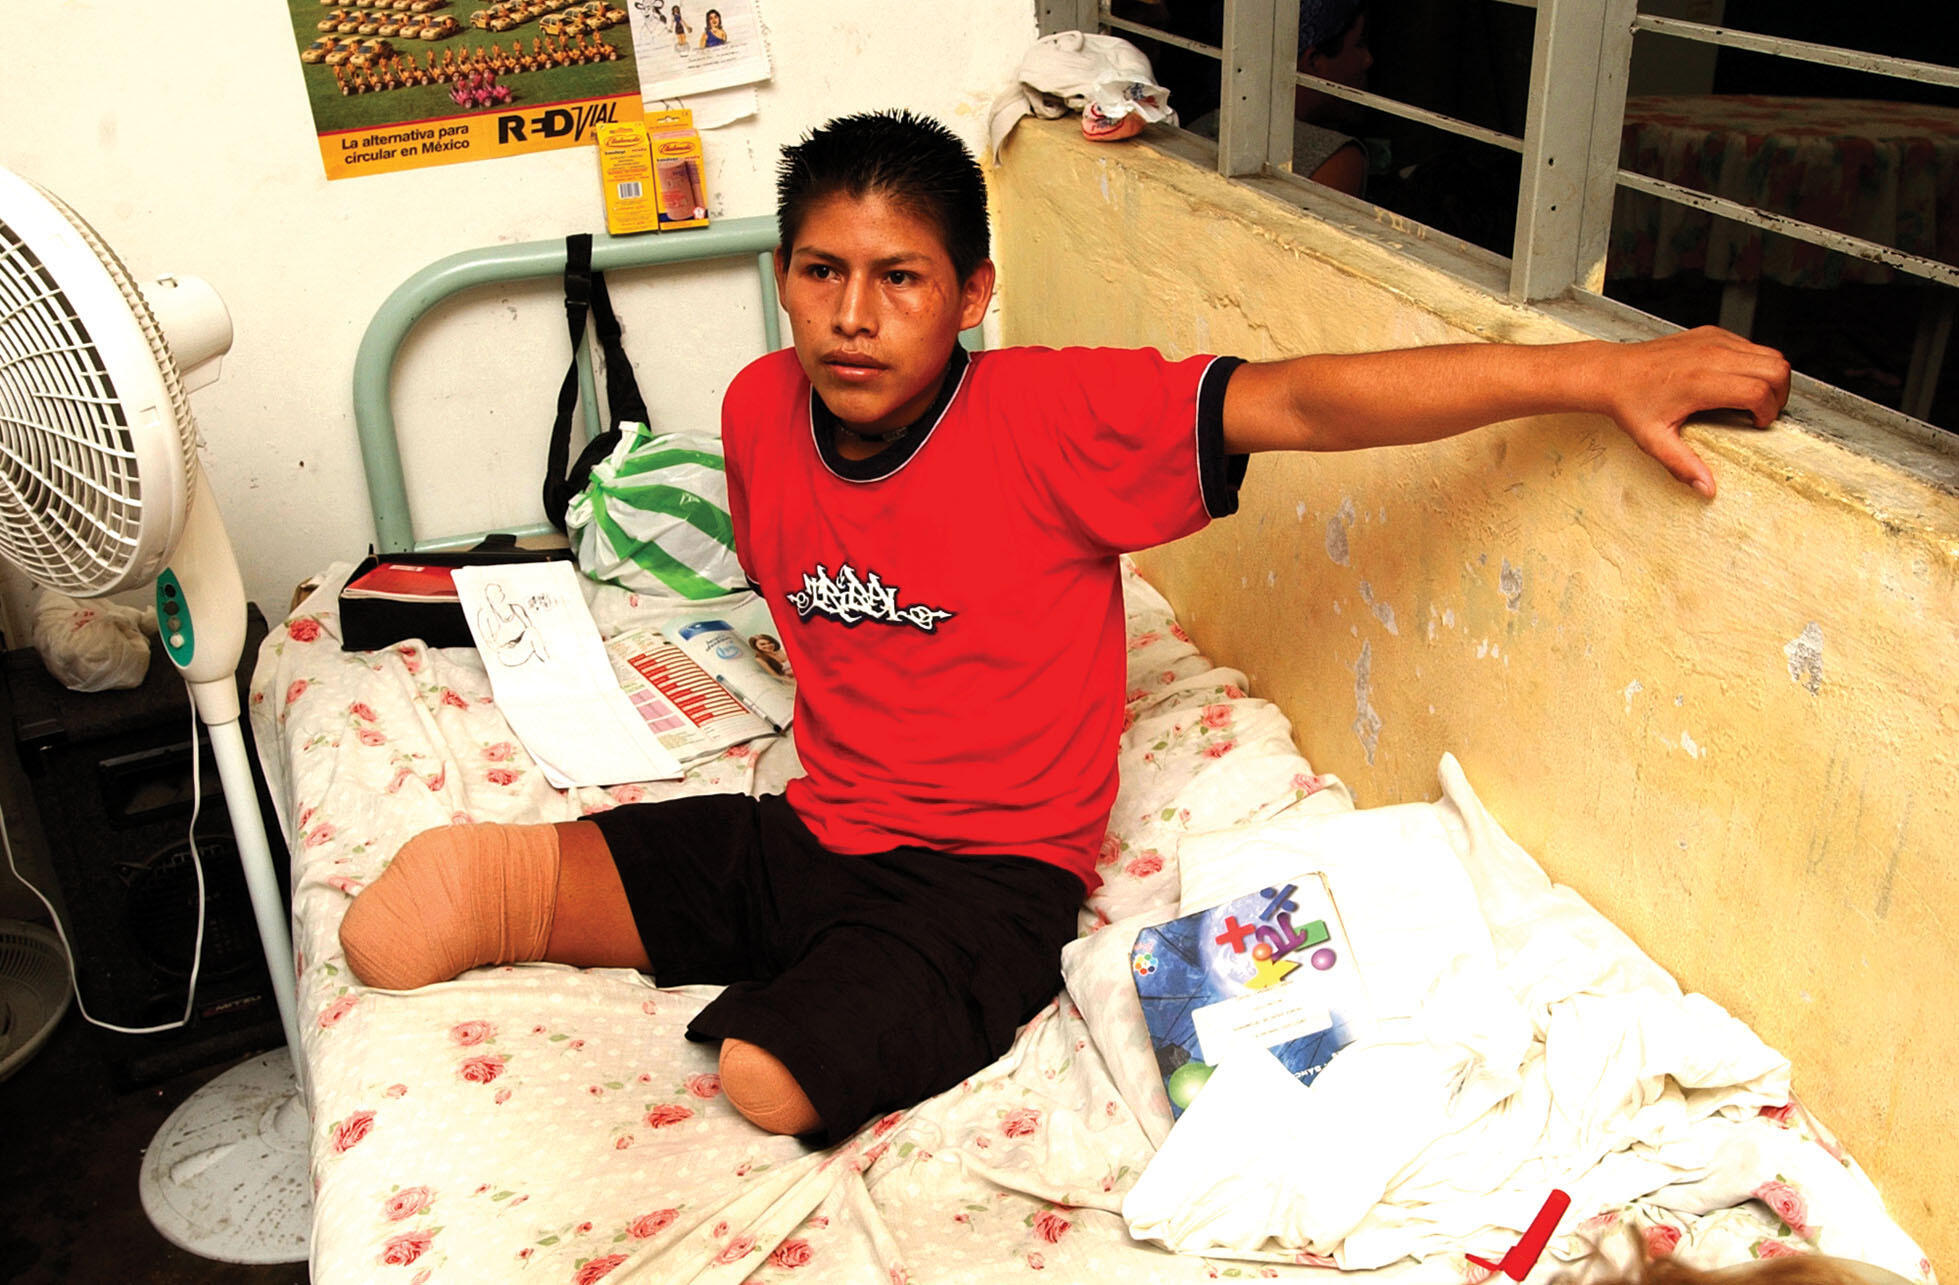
1396, 876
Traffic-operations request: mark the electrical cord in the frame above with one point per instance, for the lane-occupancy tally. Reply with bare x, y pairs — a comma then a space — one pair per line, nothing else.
197, 949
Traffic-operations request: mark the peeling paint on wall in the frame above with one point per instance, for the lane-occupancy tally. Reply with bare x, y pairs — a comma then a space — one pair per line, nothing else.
1511, 581
1805, 653
1367, 724
1336, 533
1632, 689
1383, 612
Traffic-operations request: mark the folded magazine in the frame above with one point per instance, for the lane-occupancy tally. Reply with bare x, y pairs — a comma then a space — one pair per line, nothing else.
690, 713
740, 649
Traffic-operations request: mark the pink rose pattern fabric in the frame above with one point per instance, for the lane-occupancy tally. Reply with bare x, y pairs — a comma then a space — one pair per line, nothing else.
548, 1124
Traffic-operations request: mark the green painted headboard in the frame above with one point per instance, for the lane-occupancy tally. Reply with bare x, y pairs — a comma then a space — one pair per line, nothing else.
374, 418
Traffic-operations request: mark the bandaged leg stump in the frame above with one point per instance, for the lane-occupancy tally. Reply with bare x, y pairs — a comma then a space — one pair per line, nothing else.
465, 896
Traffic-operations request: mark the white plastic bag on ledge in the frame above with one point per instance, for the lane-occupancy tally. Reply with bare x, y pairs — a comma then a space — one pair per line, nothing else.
1105, 78
93, 647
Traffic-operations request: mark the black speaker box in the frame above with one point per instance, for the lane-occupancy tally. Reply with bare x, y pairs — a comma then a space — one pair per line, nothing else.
111, 776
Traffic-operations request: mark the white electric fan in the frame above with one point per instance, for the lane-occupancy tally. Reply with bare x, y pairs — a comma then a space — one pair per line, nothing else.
100, 491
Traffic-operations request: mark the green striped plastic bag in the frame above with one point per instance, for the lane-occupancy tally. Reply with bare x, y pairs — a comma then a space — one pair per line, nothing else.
654, 517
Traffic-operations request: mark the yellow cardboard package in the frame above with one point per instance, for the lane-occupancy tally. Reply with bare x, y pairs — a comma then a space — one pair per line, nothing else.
626, 171
679, 183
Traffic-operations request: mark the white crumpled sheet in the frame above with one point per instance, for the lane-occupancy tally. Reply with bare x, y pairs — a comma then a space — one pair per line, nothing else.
1523, 1044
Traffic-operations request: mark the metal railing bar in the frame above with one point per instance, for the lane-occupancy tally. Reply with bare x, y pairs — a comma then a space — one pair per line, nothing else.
1927, 73
1408, 111
1857, 247
1162, 37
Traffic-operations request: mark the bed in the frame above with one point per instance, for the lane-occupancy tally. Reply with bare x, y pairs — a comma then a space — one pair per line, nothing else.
545, 1123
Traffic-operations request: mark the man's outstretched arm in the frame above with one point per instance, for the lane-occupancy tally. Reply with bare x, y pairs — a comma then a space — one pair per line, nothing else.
1340, 403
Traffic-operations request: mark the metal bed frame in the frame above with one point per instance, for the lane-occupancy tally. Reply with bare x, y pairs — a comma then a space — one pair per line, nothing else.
374, 418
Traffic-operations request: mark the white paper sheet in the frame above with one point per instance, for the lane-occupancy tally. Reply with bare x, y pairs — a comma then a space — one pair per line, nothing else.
552, 679
716, 109
680, 52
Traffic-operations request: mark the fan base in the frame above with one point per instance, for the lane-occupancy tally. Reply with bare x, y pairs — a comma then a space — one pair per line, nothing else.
226, 1176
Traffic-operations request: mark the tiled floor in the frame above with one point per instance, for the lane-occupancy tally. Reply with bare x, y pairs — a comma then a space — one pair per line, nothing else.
70, 1150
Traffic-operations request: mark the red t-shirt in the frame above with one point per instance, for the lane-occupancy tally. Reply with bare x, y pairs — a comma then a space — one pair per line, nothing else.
953, 605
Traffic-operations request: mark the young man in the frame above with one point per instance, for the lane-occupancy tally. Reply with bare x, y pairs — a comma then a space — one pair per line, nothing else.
937, 538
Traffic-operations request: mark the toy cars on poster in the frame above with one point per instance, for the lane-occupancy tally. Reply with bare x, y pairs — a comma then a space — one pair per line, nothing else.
356, 45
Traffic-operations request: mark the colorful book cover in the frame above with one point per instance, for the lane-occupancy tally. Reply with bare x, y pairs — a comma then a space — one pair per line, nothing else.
1272, 969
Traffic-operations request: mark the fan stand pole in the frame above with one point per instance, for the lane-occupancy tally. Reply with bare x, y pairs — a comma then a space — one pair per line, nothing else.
226, 1176
261, 879
202, 595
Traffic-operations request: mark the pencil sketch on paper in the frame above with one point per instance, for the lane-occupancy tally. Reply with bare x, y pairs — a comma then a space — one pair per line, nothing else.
512, 627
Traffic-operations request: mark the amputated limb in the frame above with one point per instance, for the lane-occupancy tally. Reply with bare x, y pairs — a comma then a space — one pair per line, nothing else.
762, 1089
464, 896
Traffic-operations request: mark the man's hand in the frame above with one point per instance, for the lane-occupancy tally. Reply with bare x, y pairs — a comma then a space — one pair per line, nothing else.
1653, 388
1339, 403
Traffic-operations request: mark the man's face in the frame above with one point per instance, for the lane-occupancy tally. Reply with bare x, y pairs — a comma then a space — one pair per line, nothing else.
875, 307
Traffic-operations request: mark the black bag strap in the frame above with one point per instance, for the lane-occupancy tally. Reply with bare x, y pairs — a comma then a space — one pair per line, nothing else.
585, 292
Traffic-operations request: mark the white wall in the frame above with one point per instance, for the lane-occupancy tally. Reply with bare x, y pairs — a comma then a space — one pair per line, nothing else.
183, 135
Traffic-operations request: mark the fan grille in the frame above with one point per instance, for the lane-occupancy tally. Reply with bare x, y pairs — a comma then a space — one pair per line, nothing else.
71, 497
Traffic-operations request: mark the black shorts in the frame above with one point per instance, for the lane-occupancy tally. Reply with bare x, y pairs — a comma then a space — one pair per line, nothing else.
878, 980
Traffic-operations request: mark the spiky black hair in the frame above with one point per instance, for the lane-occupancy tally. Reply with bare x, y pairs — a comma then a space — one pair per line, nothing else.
910, 160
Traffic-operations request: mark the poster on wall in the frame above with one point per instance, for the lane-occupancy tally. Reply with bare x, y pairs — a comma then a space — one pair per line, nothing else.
688, 47
402, 84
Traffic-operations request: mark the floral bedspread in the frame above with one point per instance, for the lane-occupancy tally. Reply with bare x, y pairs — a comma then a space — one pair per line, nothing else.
544, 1123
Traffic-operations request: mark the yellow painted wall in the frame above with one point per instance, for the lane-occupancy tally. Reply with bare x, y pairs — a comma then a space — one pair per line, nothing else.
1730, 725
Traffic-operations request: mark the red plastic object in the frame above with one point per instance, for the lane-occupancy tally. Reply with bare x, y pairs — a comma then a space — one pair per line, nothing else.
1524, 1254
